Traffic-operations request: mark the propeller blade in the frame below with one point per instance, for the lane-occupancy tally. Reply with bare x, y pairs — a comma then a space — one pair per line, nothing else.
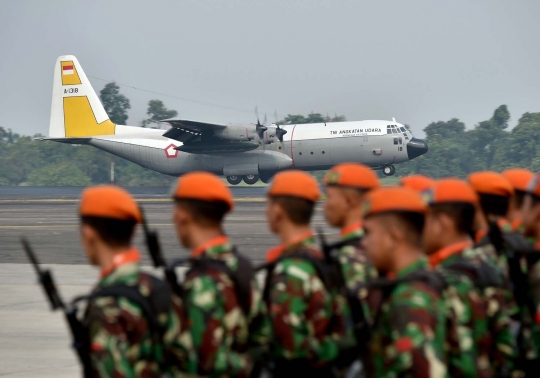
280, 133
257, 115
264, 121
275, 116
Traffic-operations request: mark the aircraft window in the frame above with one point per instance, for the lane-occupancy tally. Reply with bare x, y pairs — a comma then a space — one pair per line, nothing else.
312, 152
300, 153
394, 131
400, 140
406, 138
395, 140
402, 129
389, 131
280, 147
323, 152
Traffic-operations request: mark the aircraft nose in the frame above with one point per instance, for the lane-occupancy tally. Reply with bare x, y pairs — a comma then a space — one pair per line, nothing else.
416, 147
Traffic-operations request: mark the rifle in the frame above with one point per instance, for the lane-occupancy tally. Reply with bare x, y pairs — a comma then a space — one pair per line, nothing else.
80, 340
154, 249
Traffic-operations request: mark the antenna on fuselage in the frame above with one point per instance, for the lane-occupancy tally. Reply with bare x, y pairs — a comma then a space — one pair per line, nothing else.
394, 120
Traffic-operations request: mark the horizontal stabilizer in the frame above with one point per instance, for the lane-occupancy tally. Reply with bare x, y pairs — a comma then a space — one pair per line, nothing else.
67, 140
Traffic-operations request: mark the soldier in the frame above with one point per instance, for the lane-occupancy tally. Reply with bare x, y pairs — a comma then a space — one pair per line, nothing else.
418, 183
302, 305
447, 237
227, 317
125, 340
519, 179
531, 228
408, 335
346, 185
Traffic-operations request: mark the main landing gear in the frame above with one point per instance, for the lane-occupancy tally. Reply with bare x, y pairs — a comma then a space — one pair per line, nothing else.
388, 170
248, 179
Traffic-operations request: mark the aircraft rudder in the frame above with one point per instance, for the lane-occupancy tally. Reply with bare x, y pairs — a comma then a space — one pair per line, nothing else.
76, 110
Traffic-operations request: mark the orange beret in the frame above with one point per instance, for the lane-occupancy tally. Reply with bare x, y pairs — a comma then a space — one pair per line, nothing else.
109, 201
352, 175
203, 186
417, 183
393, 199
519, 178
295, 184
450, 191
534, 186
491, 183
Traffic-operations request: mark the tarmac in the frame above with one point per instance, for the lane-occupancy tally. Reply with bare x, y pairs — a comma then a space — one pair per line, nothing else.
35, 341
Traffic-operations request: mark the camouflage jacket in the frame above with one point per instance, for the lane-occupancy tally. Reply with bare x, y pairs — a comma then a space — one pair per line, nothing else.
220, 329
408, 336
121, 342
500, 308
469, 338
531, 330
305, 317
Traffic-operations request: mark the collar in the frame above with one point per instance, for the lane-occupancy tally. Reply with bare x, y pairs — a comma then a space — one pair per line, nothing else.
274, 253
132, 255
504, 225
220, 240
450, 250
353, 230
419, 264
517, 225
479, 235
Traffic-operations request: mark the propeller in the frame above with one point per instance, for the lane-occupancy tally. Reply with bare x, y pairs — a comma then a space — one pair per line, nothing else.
260, 128
279, 131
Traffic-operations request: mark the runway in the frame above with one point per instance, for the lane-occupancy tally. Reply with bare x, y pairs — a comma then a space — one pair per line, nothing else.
50, 222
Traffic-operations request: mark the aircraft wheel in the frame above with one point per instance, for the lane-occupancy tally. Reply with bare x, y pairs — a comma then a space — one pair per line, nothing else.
234, 180
251, 179
389, 170
266, 179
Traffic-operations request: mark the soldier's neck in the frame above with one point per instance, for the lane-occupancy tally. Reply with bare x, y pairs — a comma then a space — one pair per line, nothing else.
353, 217
451, 237
292, 232
406, 255
107, 254
201, 236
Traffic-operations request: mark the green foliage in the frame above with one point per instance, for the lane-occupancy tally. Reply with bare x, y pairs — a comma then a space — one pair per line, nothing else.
29, 162
157, 112
454, 151
295, 119
116, 105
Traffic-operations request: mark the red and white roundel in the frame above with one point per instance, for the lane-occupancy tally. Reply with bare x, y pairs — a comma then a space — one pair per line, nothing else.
170, 151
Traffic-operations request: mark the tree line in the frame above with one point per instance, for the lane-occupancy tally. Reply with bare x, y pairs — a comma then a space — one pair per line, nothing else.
454, 150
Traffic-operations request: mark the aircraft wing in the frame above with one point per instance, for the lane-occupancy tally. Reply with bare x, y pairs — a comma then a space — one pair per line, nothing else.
185, 130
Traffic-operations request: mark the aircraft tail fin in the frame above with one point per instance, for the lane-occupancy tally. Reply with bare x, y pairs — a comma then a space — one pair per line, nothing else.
76, 110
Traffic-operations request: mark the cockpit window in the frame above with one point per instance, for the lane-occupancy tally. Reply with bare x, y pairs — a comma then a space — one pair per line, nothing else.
394, 131
402, 129
389, 131
395, 140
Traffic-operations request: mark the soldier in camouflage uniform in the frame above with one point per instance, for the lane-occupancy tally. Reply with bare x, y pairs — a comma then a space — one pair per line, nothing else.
409, 331
305, 317
494, 192
346, 185
519, 178
123, 341
531, 224
449, 224
228, 323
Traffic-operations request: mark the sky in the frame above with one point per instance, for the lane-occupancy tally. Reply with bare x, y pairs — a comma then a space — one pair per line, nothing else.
417, 60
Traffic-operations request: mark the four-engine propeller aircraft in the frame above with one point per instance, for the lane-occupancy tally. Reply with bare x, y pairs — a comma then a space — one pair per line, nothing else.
247, 152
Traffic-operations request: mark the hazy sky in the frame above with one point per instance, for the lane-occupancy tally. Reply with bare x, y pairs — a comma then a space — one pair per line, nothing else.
418, 61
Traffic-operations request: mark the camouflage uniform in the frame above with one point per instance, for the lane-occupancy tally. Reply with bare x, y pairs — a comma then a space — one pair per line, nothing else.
409, 333
305, 316
501, 307
120, 337
469, 339
220, 330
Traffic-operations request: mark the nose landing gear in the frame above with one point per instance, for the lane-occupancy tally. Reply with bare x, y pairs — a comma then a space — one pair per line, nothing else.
388, 170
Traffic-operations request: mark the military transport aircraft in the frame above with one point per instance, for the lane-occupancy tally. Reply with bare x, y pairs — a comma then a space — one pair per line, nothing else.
247, 152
